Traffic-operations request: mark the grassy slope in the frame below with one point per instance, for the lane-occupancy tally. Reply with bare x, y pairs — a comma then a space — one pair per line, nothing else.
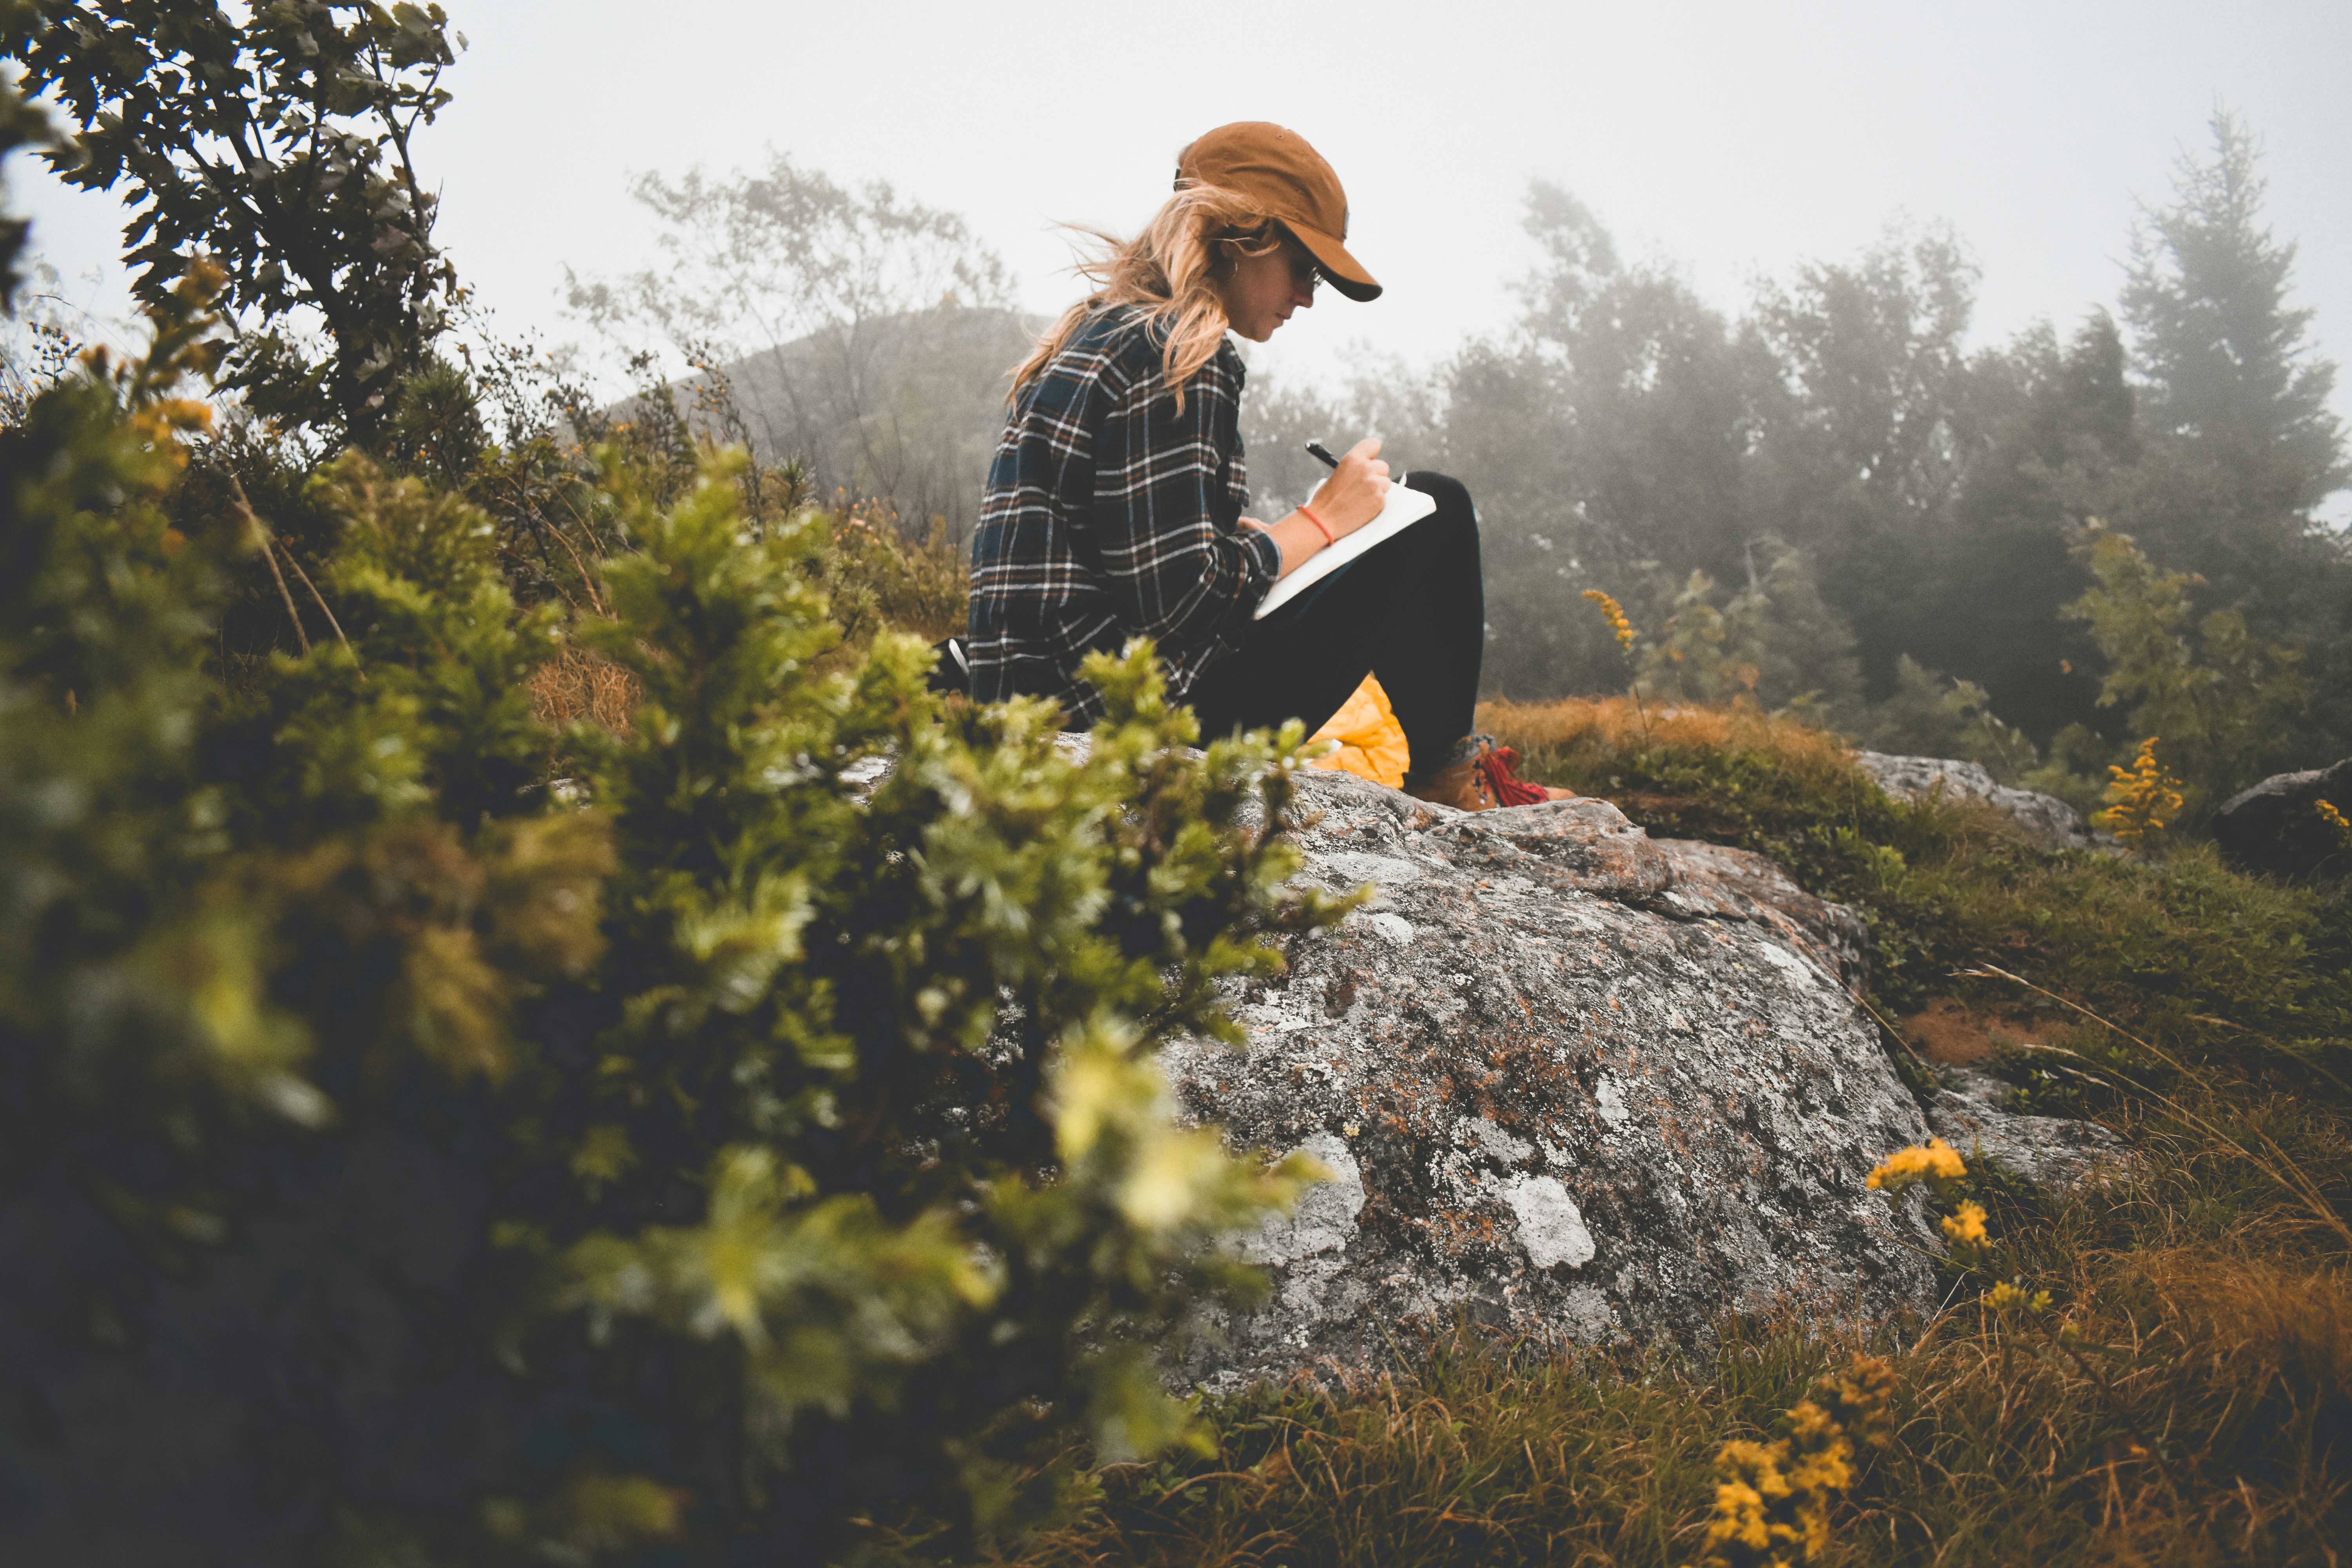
2203, 1415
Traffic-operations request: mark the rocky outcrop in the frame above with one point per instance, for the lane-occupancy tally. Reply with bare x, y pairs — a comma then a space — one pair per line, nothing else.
2047, 820
1971, 1111
1570, 1081
2275, 827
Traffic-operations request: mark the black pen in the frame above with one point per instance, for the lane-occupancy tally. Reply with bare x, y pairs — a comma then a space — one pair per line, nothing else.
1317, 449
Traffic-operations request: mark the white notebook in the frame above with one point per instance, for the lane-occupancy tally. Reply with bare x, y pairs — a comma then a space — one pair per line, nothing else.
1405, 508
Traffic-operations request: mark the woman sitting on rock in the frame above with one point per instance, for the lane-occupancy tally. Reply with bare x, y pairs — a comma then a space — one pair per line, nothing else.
1114, 505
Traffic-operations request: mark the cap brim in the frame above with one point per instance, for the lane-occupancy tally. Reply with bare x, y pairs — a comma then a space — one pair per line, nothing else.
1347, 274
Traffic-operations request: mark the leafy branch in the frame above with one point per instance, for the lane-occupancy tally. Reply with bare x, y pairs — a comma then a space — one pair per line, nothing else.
280, 148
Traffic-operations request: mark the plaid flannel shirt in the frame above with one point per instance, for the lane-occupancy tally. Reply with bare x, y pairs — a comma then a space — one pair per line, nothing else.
1109, 515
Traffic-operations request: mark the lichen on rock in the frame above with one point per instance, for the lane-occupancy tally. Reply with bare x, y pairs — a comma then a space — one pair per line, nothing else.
1571, 1081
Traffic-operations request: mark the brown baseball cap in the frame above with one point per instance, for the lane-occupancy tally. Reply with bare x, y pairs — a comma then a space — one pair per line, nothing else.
1291, 183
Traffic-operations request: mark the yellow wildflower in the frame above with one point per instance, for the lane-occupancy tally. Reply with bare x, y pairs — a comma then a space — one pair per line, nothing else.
1827, 1471
1773, 1510
1738, 1517
2140, 798
2010, 1297
1617, 624
1935, 1160
1748, 1527
1966, 1227
1863, 1399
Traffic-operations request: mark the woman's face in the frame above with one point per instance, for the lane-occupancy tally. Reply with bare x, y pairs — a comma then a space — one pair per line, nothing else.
1261, 290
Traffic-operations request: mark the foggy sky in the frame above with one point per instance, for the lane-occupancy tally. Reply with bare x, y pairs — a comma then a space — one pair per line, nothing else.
1734, 141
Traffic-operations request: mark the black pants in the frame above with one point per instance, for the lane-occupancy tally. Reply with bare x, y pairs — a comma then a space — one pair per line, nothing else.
1412, 611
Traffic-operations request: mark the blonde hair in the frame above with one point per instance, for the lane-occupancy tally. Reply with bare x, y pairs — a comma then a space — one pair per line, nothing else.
1174, 269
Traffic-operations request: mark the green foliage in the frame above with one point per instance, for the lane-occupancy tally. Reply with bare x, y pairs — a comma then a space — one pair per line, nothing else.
22, 125
1924, 717
436, 426
1623, 432
2221, 704
1775, 642
1872, 349
1944, 885
874, 576
1611, 430
2228, 368
279, 146
753, 1146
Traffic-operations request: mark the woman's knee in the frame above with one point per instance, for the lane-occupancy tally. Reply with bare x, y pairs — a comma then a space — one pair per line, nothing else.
1452, 530
1452, 497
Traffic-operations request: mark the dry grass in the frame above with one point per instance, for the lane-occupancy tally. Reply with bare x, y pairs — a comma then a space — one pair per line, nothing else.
576, 685
2199, 1410
1683, 769
1593, 727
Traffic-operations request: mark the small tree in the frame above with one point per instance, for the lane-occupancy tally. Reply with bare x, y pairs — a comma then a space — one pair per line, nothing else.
278, 146
866, 334
1611, 429
2241, 445
2221, 701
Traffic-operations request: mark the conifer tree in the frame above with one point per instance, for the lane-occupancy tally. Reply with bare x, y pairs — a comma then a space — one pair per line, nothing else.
2230, 377
2241, 445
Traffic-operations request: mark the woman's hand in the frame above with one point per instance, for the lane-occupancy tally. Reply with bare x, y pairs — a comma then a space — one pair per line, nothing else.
1356, 492
1353, 496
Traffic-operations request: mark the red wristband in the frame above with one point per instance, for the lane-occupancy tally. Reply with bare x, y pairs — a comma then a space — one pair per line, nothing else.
1320, 526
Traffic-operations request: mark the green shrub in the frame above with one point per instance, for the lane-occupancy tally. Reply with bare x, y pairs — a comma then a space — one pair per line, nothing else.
2220, 705
407, 1157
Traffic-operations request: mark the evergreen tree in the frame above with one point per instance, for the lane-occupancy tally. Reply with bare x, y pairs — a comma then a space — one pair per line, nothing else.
2241, 444
2048, 433
2229, 377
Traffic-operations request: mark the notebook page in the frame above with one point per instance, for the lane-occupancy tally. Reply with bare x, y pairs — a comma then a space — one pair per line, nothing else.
1404, 508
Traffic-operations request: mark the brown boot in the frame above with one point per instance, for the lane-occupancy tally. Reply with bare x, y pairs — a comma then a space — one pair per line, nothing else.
1462, 782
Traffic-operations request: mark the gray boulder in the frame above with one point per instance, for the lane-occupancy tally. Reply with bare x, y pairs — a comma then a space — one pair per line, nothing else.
2275, 827
1570, 1081
2047, 820
1969, 1112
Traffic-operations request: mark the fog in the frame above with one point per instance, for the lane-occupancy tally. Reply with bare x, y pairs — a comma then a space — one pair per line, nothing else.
1734, 141
1795, 330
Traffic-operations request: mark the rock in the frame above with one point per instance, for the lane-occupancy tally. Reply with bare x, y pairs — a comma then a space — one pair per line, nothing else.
2275, 827
1571, 1081
2047, 820
1969, 1113
1735, 884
